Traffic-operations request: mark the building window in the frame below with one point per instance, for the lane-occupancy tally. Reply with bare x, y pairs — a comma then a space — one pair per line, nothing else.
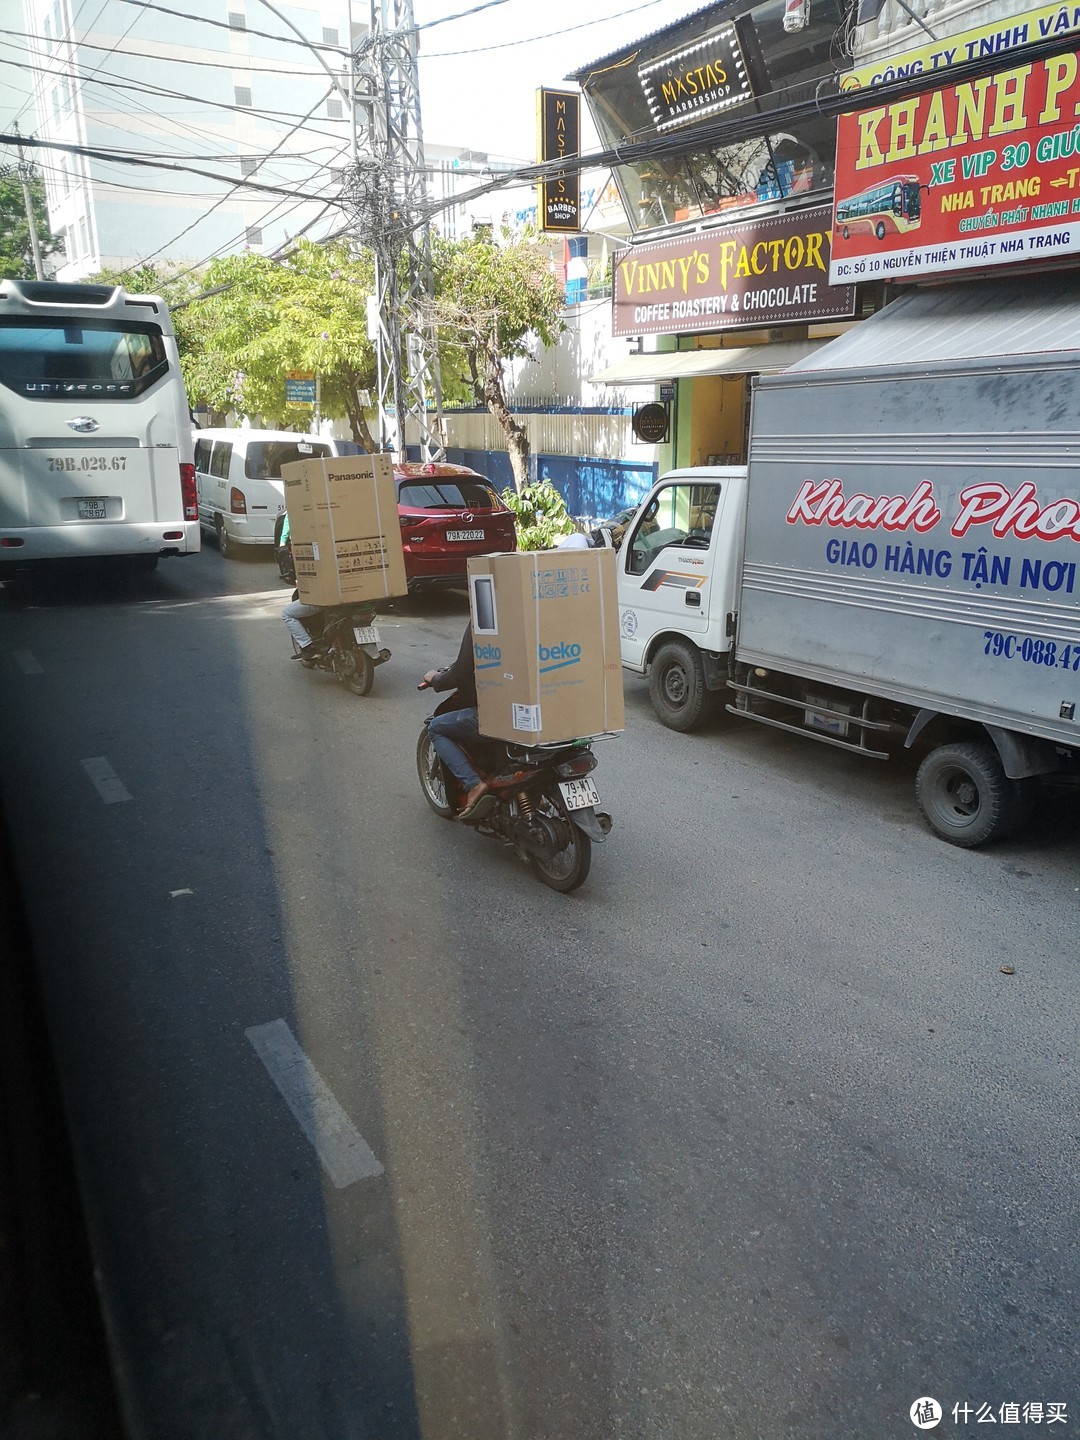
333, 109
254, 234
329, 36
237, 20
248, 167
84, 236
243, 95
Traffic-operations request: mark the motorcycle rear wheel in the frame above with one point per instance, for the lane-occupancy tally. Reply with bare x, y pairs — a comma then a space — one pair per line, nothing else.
569, 867
360, 679
432, 782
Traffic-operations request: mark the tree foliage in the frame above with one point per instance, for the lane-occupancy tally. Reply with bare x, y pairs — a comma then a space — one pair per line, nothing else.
493, 302
16, 252
268, 317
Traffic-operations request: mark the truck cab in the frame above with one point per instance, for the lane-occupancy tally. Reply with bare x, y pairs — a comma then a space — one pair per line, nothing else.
678, 583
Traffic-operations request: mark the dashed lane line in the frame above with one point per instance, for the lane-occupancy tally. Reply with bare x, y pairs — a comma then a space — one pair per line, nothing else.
345, 1154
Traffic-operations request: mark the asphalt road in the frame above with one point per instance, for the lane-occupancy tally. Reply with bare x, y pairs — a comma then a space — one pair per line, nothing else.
750, 1137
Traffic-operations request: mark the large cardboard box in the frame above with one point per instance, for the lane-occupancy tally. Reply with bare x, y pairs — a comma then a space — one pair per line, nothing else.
343, 521
546, 644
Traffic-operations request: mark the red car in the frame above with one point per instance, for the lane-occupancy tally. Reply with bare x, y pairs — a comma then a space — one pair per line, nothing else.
446, 513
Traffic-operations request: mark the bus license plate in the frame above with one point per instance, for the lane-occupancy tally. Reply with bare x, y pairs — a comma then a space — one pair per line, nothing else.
92, 508
464, 534
579, 794
366, 634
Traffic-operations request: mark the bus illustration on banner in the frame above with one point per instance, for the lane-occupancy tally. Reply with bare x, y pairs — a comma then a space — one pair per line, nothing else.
891, 207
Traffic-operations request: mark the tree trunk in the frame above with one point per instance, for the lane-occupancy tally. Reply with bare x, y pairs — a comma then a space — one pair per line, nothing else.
517, 437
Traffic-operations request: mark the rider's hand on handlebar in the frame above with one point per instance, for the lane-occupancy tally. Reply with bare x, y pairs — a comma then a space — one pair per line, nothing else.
425, 684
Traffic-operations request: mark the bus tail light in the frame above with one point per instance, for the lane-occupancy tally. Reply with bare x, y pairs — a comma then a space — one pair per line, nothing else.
189, 497
237, 502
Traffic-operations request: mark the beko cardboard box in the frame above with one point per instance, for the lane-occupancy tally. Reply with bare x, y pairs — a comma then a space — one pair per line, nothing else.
343, 522
546, 645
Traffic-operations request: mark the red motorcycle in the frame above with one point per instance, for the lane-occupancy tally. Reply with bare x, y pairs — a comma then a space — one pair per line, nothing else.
546, 804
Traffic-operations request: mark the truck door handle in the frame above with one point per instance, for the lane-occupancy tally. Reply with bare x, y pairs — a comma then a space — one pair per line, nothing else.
693, 597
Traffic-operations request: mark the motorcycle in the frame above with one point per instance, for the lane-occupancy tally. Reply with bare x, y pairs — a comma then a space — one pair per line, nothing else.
348, 644
546, 804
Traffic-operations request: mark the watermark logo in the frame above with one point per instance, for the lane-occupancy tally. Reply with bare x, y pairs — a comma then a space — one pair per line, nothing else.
925, 1413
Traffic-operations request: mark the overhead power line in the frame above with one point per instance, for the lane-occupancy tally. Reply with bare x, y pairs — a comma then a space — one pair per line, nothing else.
224, 25
234, 62
158, 165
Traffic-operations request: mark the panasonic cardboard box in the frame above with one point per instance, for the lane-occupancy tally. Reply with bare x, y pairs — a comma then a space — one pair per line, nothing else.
343, 522
546, 645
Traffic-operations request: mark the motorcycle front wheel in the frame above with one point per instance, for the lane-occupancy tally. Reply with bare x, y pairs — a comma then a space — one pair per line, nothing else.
432, 781
567, 868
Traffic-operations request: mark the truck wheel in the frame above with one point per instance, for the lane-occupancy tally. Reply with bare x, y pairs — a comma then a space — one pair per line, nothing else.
966, 797
677, 686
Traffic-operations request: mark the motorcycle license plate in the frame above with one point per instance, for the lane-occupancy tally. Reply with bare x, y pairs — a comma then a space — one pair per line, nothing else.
365, 634
579, 794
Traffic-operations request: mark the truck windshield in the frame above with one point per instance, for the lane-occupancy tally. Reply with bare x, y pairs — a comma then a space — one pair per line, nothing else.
61, 358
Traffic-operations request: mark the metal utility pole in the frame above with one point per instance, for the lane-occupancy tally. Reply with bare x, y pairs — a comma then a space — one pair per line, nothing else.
388, 190
26, 172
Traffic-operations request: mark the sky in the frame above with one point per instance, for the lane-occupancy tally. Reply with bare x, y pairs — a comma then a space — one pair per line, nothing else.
479, 75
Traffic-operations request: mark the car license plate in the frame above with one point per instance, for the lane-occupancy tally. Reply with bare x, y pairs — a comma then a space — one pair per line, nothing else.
464, 534
92, 508
579, 794
366, 634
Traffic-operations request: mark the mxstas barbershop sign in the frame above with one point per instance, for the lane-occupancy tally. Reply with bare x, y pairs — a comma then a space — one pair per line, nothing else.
766, 272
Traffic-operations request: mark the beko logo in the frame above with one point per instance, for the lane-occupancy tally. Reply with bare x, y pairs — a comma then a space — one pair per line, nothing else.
485, 656
553, 657
84, 424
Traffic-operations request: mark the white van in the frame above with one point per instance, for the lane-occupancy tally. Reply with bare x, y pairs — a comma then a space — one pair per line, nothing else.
95, 432
238, 472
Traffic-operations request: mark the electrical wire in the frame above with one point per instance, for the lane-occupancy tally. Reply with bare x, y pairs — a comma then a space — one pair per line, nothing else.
230, 64
224, 25
533, 39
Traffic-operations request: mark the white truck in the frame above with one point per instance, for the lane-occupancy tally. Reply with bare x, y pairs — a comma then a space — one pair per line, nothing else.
898, 563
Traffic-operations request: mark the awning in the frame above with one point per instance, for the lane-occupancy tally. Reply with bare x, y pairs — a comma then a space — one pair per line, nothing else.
686, 364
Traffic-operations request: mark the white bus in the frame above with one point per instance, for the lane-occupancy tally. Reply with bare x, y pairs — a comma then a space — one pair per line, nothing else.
96, 455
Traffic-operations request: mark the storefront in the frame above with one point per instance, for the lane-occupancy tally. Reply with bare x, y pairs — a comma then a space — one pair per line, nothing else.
728, 272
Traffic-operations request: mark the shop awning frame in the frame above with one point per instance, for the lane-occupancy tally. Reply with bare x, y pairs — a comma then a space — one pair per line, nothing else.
688, 364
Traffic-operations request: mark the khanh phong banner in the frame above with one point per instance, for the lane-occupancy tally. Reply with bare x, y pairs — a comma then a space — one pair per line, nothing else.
766, 272
966, 177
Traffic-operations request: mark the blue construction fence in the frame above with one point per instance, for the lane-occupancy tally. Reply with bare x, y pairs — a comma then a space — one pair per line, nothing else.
592, 488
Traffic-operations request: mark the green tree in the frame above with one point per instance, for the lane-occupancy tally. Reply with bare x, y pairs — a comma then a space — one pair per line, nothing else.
540, 515
492, 302
262, 318
16, 252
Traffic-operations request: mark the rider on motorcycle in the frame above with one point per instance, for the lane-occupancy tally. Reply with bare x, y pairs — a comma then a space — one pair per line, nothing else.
457, 725
297, 612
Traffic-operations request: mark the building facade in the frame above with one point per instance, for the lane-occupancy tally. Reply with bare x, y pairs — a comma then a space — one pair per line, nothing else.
204, 91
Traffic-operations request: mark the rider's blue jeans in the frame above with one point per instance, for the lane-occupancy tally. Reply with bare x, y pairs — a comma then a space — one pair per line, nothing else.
445, 731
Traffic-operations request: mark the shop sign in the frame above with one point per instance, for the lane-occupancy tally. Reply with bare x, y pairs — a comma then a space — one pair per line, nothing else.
984, 42
650, 423
560, 137
966, 177
696, 80
769, 271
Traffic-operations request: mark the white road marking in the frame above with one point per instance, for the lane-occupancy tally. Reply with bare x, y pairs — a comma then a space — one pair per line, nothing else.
26, 663
343, 1151
105, 780
174, 893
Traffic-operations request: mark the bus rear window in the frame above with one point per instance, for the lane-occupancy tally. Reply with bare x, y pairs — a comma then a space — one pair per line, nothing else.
266, 457
62, 358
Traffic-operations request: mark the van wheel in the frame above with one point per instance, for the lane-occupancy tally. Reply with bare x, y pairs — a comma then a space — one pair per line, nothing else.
225, 545
966, 797
677, 686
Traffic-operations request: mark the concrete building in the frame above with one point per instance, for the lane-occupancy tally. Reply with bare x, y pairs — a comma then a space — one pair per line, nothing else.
207, 90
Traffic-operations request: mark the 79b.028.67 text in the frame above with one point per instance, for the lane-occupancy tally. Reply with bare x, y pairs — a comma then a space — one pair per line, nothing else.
87, 462
1034, 652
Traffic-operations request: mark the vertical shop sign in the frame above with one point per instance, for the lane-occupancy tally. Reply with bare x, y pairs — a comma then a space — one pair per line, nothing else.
560, 138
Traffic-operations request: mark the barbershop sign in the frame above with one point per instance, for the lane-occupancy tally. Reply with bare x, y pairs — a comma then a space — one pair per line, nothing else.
767, 272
